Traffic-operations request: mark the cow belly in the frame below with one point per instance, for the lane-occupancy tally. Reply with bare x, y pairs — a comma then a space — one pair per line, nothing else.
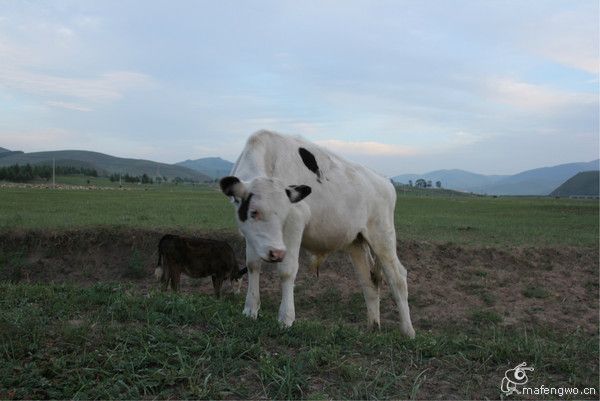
197, 272
327, 239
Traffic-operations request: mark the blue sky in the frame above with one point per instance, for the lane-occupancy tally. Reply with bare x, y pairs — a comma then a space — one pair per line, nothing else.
402, 86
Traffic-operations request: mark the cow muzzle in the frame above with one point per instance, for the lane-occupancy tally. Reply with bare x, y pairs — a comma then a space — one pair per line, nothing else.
276, 255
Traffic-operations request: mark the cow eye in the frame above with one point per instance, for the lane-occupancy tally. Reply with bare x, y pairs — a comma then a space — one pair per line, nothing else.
254, 214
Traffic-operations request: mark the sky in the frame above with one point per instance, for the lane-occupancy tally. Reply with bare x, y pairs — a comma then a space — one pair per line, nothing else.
493, 87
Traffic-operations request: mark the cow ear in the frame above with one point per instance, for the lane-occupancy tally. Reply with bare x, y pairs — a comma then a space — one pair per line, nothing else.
232, 186
297, 192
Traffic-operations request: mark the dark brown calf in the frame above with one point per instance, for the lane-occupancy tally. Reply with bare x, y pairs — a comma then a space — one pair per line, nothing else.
196, 257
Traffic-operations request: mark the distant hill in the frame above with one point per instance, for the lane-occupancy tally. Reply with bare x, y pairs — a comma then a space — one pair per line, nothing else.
458, 180
214, 167
539, 181
581, 184
5, 152
104, 163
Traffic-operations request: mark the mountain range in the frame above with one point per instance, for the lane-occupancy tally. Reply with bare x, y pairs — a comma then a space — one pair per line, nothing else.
103, 163
539, 181
214, 167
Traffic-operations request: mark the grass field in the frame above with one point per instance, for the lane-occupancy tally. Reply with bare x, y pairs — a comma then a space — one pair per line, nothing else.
493, 282
463, 220
104, 342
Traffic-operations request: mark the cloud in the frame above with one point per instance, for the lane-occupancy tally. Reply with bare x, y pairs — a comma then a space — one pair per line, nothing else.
569, 38
87, 21
32, 140
529, 97
107, 87
462, 138
68, 106
25, 67
370, 148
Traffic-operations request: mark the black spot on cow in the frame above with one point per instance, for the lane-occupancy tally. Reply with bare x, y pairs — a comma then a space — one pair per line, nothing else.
309, 161
243, 210
299, 192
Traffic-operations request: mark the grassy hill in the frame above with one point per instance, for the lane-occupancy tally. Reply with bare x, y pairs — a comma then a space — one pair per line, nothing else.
214, 167
581, 184
104, 163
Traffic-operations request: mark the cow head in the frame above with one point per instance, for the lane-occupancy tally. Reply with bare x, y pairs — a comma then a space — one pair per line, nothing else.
263, 205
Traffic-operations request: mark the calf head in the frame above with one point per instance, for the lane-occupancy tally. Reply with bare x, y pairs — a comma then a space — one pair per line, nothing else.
263, 205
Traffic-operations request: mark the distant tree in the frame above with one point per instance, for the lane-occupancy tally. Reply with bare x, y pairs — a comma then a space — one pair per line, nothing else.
438, 184
429, 184
421, 183
410, 183
46, 174
145, 179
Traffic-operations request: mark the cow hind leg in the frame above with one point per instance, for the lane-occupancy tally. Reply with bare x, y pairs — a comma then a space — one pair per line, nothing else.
369, 277
383, 243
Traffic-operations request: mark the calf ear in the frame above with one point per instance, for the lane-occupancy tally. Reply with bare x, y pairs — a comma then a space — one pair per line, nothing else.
297, 192
232, 186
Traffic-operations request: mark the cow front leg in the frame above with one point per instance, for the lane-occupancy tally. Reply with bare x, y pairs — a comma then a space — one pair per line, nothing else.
287, 274
252, 304
292, 237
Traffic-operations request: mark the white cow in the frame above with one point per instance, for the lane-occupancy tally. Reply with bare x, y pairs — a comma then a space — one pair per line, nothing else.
290, 193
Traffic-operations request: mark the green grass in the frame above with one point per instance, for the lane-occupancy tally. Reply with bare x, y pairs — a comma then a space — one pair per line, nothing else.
81, 180
138, 206
533, 291
110, 342
463, 220
498, 221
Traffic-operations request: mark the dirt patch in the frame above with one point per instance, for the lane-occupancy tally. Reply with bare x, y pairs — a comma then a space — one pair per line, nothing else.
447, 283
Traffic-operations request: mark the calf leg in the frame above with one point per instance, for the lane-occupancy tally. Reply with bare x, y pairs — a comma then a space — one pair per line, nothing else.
235, 285
369, 276
254, 263
217, 282
383, 242
174, 278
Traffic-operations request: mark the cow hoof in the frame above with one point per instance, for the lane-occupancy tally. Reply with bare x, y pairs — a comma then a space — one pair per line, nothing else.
408, 331
286, 320
374, 326
286, 323
250, 313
